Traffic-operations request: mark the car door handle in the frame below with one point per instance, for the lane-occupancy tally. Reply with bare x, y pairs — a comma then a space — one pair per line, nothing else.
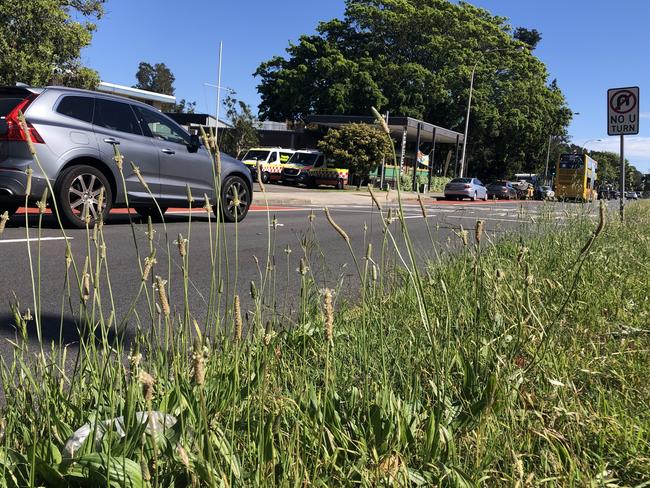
112, 140
168, 151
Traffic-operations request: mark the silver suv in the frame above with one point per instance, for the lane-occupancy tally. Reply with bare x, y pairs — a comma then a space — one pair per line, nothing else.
75, 132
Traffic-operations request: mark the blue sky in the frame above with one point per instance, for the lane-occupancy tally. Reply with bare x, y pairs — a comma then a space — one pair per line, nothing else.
588, 45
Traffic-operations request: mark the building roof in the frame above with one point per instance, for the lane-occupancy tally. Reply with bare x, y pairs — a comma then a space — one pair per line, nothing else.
395, 124
204, 120
136, 93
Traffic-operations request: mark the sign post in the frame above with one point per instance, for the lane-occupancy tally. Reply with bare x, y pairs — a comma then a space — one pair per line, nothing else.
622, 120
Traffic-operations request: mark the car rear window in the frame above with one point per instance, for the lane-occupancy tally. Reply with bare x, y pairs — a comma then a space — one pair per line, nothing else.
461, 180
8, 103
80, 108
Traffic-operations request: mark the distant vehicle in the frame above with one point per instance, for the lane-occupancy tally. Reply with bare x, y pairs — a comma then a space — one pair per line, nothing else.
631, 195
270, 159
502, 189
75, 133
576, 178
311, 168
544, 192
460, 188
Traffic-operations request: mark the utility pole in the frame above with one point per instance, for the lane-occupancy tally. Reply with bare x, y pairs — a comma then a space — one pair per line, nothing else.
548, 157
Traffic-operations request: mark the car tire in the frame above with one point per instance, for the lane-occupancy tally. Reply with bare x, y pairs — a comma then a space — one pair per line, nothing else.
485, 198
10, 209
266, 177
474, 197
153, 212
77, 191
339, 184
234, 188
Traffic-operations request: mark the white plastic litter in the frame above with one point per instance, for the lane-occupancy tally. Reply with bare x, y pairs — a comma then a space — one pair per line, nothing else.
158, 422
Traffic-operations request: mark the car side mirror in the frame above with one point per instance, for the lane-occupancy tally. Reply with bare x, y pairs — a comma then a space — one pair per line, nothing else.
195, 143
4, 127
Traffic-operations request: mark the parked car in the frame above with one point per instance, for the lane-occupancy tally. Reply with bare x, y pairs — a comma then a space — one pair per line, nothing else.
631, 195
75, 132
460, 188
501, 189
544, 192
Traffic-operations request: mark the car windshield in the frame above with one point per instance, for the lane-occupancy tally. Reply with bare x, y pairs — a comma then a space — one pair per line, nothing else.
303, 159
461, 180
256, 155
500, 183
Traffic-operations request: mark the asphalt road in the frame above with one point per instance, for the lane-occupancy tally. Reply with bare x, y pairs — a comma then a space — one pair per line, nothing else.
289, 228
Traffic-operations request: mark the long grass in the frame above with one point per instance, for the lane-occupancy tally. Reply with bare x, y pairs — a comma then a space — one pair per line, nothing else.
518, 361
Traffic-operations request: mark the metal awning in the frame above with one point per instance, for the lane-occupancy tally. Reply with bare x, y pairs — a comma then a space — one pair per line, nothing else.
397, 125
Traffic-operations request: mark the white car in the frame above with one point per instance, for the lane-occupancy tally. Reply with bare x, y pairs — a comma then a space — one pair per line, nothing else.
460, 188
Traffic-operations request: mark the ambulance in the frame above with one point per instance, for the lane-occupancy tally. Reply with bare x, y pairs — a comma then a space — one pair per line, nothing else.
310, 167
271, 159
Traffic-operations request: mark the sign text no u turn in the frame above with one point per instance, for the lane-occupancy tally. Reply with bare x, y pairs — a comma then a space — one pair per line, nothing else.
623, 111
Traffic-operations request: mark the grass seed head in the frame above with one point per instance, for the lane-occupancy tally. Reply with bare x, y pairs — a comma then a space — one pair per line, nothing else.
28, 184
268, 332
162, 296
329, 315
206, 203
190, 198
28, 135
303, 268
464, 236
181, 243
380, 120
478, 232
3, 221
149, 262
336, 227
254, 293
42, 203
239, 324
147, 381
198, 366
258, 166
118, 158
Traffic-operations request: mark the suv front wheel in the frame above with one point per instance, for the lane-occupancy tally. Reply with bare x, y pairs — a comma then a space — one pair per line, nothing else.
235, 199
77, 195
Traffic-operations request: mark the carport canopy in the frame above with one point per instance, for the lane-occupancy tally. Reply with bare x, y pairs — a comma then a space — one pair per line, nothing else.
397, 125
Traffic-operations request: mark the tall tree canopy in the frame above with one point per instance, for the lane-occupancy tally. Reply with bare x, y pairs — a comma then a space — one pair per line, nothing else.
415, 58
159, 78
40, 41
156, 78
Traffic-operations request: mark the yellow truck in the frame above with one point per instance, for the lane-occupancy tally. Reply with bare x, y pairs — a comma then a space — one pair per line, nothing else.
271, 160
311, 168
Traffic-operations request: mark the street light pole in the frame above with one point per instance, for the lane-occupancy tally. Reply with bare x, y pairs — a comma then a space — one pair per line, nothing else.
463, 165
469, 108
584, 146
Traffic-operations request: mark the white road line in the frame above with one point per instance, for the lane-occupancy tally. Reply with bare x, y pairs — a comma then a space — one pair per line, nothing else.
34, 239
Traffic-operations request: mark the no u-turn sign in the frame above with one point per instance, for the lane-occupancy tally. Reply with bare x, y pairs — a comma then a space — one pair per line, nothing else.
623, 111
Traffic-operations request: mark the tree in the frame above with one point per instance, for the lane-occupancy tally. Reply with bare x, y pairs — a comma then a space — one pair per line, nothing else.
41, 41
157, 78
243, 134
415, 58
532, 37
361, 146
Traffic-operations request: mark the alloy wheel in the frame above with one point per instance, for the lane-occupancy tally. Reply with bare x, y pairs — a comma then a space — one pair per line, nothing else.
83, 196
